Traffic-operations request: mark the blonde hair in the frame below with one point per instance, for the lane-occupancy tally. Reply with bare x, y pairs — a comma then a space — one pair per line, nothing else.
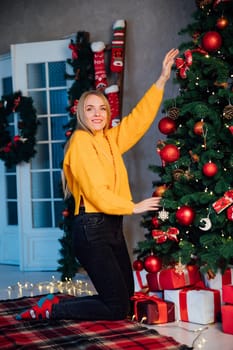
82, 125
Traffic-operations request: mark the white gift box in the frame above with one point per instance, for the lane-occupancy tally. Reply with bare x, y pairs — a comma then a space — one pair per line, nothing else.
219, 280
196, 306
140, 281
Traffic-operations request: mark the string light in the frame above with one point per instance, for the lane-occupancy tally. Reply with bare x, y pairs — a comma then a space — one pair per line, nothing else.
69, 286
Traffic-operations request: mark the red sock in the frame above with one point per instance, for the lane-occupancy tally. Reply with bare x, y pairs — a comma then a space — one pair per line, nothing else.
118, 44
99, 64
112, 93
40, 311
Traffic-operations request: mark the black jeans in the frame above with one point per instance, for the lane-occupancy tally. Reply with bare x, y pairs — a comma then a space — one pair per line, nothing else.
101, 249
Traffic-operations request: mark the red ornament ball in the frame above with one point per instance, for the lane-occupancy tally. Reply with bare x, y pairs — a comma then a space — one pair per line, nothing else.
198, 128
138, 265
185, 215
170, 153
65, 213
152, 263
222, 23
155, 222
211, 41
68, 133
231, 129
229, 213
167, 126
210, 169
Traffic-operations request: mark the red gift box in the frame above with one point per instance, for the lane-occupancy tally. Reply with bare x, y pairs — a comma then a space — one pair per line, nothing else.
152, 310
227, 293
227, 316
220, 280
171, 279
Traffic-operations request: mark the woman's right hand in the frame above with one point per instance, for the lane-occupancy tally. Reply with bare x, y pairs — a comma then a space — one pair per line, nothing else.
149, 204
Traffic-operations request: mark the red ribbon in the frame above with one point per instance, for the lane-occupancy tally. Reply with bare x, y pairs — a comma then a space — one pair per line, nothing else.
183, 301
140, 297
183, 64
162, 236
223, 202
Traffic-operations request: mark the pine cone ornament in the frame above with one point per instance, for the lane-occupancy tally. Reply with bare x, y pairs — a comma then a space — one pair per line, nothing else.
177, 173
228, 112
173, 113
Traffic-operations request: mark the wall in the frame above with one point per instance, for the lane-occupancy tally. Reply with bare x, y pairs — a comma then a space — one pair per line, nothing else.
152, 29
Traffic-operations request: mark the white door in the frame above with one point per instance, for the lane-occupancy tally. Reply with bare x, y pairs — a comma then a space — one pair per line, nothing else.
9, 235
38, 71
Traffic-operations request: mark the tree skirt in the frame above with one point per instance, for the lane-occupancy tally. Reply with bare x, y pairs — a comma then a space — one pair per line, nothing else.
66, 334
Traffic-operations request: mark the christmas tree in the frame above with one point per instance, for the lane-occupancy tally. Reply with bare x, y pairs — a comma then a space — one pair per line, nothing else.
195, 179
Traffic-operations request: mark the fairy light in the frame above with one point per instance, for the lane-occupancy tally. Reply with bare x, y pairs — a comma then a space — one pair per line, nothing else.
72, 287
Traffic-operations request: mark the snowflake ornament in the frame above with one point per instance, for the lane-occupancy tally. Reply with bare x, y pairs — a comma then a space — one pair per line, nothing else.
163, 215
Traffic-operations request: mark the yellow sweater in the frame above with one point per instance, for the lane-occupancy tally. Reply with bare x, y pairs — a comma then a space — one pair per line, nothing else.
93, 164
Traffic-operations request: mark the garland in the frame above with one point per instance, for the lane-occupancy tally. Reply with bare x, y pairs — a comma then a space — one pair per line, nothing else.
21, 147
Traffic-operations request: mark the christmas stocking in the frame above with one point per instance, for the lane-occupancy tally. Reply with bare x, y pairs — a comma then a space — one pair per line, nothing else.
112, 94
40, 311
118, 43
99, 65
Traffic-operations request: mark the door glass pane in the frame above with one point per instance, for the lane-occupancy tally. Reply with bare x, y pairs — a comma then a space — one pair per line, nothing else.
57, 189
10, 173
41, 185
42, 215
36, 75
41, 160
7, 86
56, 74
39, 99
57, 130
58, 101
42, 131
57, 155
58, 207
11, 186
12, 217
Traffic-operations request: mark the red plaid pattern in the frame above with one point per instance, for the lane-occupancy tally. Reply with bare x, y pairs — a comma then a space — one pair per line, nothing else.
65, 334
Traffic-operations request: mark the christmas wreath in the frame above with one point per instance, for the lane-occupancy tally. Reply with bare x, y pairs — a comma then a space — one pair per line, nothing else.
21, 146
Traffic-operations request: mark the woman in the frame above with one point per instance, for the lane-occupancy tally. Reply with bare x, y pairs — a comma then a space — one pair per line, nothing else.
97, 178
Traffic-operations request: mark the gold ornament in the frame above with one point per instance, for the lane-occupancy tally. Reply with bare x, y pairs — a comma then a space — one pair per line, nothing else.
173, 113
203, 3
228, 112
179, 267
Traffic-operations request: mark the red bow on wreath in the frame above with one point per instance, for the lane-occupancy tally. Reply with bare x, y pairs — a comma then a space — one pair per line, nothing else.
162, 236
183, 64
74, 49
73, 109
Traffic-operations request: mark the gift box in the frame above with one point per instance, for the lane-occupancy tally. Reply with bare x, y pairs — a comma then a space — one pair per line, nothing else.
140, 281
227, 317
195, 305
171, 279
219, 280
153, 310
227, 294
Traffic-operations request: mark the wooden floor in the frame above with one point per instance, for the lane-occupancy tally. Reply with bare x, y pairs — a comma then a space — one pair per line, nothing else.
15, 283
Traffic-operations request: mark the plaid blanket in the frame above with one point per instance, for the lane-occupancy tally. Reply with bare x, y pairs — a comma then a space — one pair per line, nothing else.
67, 334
